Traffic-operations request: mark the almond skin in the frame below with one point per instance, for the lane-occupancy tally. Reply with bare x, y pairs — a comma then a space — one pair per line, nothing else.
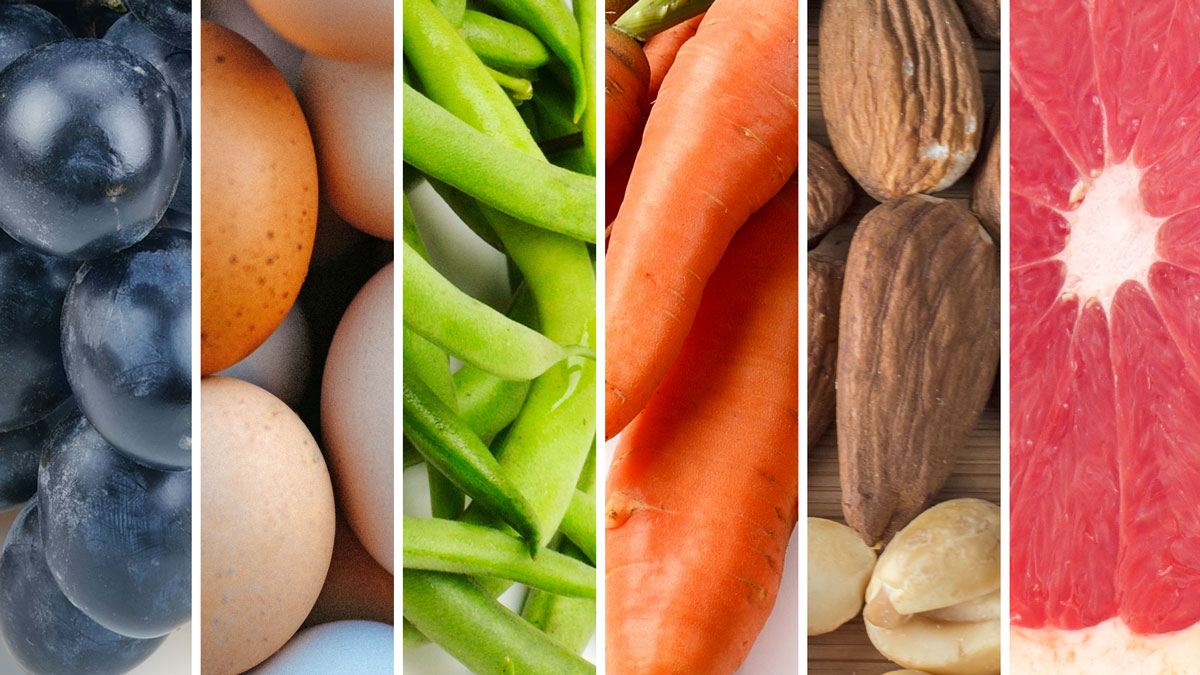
985, 198
829, 190
918, 347
983, 16
824, 300
901, 93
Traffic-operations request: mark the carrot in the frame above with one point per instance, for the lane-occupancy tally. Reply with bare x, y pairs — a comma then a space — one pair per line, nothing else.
617, 179
626, 77
662, 48
702, 492
720, 141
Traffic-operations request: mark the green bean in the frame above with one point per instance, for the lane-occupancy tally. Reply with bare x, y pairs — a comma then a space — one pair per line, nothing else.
501, 44
587, 476
548, 442
585, 15
551, 21
412, 636
412, 456
579, 523
553, 112
470, 330
449, 446
462, 548
428, 362
454, 77
519, 89
453, 10
568, 621
649, 17
446, 148
484, 635
487, 403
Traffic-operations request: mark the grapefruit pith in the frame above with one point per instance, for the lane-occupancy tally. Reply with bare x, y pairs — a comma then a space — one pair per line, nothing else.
1105, 335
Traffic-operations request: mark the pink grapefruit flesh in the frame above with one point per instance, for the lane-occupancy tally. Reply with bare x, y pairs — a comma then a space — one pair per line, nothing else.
1105, 331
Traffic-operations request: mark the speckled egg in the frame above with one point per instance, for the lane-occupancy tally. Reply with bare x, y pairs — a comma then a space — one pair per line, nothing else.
349, 107
258, 206
268, 524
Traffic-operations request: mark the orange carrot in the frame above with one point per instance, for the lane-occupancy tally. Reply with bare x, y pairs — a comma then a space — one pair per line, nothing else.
702, 492
617, 178
626, 78
662, 48
720, 141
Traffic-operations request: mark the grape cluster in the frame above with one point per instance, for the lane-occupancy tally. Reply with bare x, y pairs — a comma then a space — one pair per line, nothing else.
95, 330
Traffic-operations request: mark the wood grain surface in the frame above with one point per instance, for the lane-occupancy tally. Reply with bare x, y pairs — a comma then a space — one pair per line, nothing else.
847, 651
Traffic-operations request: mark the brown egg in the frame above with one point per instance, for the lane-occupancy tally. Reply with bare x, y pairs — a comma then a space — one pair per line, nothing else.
267, 525
258, 204
348, 31
356, 586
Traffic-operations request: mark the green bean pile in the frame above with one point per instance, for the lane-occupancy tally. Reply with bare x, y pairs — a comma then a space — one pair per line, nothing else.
499, 119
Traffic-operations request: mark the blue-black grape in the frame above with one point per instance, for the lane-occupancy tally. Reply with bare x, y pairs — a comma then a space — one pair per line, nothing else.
170, 19
44, 631
91, 148
126, 343
32, 288
175, 64
20, 453
23, 27
117, 534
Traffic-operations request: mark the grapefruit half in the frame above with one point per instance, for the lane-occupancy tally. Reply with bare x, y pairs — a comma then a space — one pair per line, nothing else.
1105, 336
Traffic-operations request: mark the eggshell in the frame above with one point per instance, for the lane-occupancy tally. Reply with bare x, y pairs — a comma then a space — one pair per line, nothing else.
348, 31
258, 205
349, 108
281, 364
356, 586
267, 524
357, 414
237, 16
339, 648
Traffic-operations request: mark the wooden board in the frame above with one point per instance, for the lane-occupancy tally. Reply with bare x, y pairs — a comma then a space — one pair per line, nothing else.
848, 651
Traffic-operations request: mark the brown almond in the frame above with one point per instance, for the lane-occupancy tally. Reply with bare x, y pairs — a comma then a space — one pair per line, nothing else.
829, 190
983, 16
824, 299
901, 93
918, 346
985, 198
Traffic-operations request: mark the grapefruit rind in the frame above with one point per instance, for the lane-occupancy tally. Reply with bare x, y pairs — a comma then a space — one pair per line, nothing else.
1107, 648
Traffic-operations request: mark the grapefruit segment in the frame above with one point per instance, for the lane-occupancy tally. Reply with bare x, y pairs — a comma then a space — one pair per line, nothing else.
1065, 479
1038, 166
1036, 232
1158, 406
1128, 50
1179, 240
1173, 184
1052, 61
1173, 92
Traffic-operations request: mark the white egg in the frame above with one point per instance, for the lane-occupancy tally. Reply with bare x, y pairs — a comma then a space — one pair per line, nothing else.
338, 648
357, 415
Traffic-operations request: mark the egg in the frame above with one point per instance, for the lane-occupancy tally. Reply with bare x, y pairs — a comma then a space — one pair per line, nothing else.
357, 415
349, 108
356, 586
338, 648
237, 16
268, 524
281, 364
258, 204
347, 31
